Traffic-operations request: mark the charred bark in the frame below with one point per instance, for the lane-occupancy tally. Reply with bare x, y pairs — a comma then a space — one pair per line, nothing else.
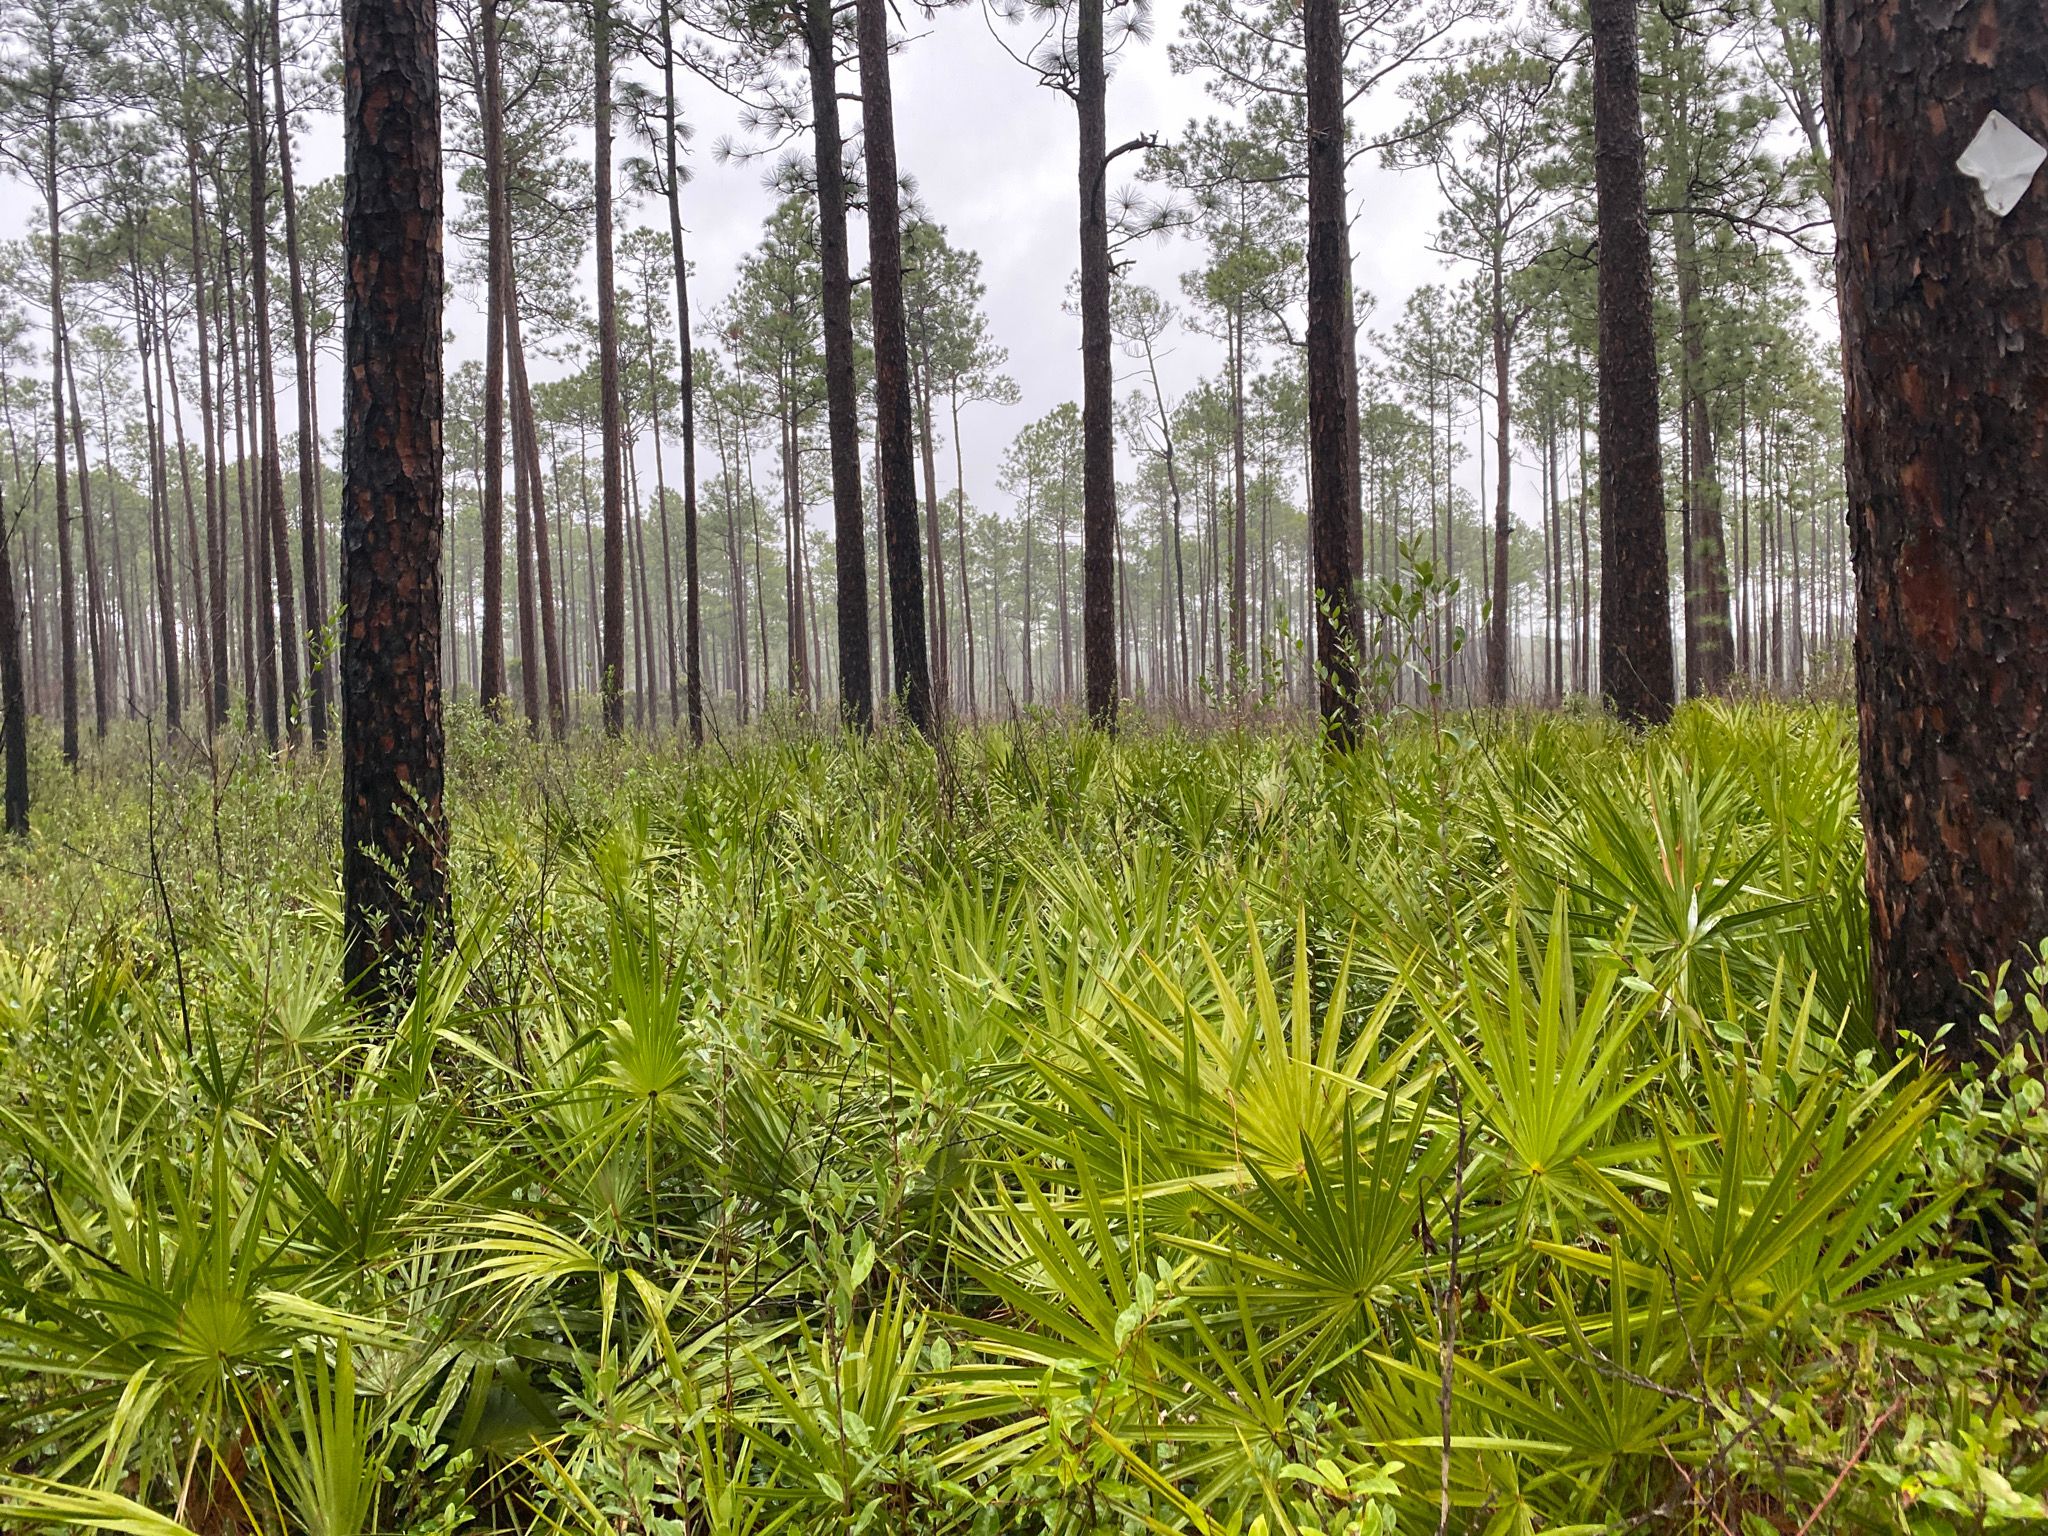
896, 450
1635, 577
1098, 384
394, 828
1333, 467
1945, 338
842, 399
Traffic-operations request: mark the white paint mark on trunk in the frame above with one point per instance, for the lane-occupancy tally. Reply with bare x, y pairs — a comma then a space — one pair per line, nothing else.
2003, 159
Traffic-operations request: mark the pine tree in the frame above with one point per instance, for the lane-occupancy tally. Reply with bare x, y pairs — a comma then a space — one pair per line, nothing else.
394, 827
1945, 338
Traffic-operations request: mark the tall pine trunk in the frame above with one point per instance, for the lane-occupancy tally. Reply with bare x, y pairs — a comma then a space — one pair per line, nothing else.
842, 400
612, 627
394, 827
67, 617
895, 450
270, 502
693, 621
312, 588
1333, 466
491, 679
13, 693
1503, 522
1098, 384
1635, 578
1946, 342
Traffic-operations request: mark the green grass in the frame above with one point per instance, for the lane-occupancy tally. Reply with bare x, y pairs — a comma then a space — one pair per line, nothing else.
1185, 1133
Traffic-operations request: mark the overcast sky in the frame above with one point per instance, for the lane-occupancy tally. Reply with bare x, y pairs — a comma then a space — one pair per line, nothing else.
992, 153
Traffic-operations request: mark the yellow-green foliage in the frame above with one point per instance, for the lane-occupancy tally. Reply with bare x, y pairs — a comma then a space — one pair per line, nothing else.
1179, 1133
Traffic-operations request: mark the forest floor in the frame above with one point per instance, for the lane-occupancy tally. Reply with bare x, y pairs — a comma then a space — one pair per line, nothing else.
1185, 1133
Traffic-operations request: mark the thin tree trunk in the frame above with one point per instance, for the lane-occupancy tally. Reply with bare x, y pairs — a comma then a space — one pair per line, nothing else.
960, 528
491, 682
271, 518
95, 596
1503, 522
161, 562
526, 432
693, 624
309, 428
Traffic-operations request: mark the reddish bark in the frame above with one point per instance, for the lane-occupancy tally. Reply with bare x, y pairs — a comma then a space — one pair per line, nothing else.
1945, 338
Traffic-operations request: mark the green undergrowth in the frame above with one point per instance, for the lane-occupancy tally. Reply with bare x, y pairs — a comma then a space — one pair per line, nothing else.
1180, 1133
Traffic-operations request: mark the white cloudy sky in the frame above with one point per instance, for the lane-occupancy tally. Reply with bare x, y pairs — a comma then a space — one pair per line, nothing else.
992, 152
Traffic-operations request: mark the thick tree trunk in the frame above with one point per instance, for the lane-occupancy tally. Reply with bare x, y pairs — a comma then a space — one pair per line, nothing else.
1635, 577
895, 449
394, 828
1098, 384
1332, 466
842, 397
1946, 341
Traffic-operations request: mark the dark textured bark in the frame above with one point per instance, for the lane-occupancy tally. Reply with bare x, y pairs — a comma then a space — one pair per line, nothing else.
1332, 468
271, 519
13, 694
491, 669
842, 394
612, 627
317, 680
693, 623
1946, 341
394, 828
1635, 578
1098, 383
895, 450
